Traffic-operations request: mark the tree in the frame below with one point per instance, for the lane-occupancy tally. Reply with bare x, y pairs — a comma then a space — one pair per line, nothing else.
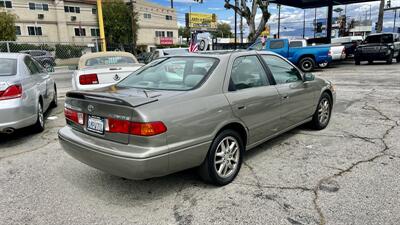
249, 13
184, 32
120, 22
7, 26
223, 30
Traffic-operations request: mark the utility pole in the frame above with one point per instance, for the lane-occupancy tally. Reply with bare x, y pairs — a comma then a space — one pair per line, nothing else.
236, 5
101, 26
304, 24
279, 20
394, 22
315, 22
241, 30
172, 4
379, 24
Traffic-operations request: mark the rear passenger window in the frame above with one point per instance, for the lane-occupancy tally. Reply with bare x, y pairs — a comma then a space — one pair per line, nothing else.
281, 70
296, 44
276, 44
248, 72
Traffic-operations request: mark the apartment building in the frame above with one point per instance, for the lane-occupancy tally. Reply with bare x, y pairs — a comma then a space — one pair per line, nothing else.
157, 25
69, 21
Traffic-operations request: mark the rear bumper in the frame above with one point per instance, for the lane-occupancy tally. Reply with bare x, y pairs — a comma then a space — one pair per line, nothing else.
12, 115
128, 165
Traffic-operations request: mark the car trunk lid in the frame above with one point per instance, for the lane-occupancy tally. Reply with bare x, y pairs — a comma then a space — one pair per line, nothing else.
100, 105
110, 75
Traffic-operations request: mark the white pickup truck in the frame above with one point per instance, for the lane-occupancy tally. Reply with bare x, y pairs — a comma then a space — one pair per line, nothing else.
337, 52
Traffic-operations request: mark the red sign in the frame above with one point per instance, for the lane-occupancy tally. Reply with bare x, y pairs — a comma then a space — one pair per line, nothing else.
166, 41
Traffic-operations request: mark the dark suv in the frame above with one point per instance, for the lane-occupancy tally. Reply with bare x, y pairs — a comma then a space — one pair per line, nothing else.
384, 46
43, 57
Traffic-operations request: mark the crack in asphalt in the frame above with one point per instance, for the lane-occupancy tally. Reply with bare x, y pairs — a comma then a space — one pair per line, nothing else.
380, 154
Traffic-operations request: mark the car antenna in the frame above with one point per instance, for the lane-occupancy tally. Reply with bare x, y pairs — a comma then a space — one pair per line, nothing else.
145, 92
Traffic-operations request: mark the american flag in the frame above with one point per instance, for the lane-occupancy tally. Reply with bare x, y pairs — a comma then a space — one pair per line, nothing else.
193, 46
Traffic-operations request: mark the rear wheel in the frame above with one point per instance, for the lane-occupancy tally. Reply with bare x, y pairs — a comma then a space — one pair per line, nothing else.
307, 64
398, 58
224, 158
322, 115
370, 61
357, 61
39, 125
323, 65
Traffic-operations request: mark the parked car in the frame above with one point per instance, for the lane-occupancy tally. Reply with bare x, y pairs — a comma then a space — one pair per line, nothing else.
350, 43
382, 46
145, 57
170, 52
223, 104
337, 52
26, 92
97, 70
306, 58
45, 58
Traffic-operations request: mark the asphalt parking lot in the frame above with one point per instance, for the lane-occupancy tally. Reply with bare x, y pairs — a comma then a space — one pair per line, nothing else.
345, 174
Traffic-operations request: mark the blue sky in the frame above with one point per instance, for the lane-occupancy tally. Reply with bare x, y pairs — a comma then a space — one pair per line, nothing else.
291, 18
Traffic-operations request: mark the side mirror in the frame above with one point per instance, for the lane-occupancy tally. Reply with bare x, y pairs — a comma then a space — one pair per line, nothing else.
309, 77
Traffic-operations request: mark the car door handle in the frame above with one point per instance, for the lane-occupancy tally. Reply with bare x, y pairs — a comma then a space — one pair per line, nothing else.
242, 107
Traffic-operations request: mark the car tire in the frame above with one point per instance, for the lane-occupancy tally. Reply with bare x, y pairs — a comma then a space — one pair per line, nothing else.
222, 165
357, 61
370, 62
54, 103
390, 59
398, 58
39, 125
323, 112
202, 45
307, 64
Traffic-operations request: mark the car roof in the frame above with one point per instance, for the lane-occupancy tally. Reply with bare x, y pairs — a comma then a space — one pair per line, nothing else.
11, 55
224, 53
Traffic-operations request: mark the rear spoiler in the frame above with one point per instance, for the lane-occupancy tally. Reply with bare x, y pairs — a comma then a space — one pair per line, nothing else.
108, 97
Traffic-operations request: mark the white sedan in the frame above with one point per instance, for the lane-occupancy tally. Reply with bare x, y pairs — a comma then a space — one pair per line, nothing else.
97, 70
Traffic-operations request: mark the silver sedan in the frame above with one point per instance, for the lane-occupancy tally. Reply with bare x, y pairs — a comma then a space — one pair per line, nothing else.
198, 110
26, 92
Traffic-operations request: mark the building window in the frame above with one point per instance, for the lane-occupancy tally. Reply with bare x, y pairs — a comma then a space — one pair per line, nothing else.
95, 32
5, 4
147, 16
170, 34
167, 17
80, 32
72, 9
94, 11
38, 6
34, 31
17, 30
160, 33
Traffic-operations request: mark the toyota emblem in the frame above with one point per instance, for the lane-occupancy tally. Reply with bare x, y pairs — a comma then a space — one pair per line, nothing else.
90, 108
116, 77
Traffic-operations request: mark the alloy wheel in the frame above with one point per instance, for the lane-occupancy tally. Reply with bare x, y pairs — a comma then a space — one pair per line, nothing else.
226, 160
323, 111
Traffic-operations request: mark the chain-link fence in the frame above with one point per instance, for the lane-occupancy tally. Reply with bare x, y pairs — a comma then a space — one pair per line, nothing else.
51, 54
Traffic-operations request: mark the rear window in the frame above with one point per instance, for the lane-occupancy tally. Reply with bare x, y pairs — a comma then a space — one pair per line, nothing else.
276, 44
8, 67
384, 38
296, 44
177, 73
109, 60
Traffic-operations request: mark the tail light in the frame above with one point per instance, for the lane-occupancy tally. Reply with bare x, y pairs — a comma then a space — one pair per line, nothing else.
73, 115
87, 79
135, 128
14, 91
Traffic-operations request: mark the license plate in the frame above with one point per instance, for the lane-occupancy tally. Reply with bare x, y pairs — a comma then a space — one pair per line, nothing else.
95, 124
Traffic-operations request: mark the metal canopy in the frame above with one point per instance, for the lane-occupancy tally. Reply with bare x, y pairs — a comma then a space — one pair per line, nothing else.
306, 4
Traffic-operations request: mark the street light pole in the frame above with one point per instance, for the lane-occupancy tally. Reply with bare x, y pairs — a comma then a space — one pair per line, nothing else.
304, 24
279, 20
394, 22
379, 25
101, 25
